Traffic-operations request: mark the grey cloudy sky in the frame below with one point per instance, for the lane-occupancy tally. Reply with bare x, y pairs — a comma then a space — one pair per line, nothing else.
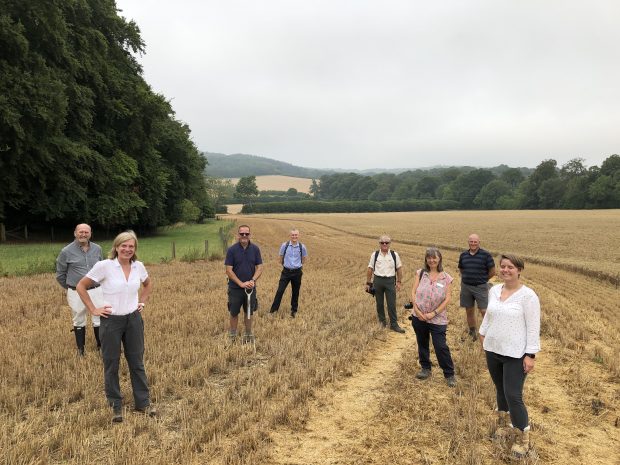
389, 84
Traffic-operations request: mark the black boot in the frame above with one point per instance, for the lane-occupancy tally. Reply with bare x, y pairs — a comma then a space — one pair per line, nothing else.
96, 331
80, 339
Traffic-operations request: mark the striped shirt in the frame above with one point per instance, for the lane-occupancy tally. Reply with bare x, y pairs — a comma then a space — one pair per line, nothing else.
475, 268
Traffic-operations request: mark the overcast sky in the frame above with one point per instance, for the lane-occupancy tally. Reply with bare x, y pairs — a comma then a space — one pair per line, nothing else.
389, 84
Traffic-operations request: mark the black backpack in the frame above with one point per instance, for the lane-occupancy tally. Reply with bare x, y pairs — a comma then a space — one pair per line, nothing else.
374, 265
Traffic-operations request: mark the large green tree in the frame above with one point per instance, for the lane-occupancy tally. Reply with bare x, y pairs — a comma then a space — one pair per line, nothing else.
246, 189
82, 135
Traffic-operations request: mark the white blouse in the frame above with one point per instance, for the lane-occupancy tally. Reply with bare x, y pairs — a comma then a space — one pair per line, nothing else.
118, 292
512, 327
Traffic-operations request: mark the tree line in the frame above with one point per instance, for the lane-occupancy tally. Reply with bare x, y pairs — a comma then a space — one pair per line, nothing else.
83, 136
571, 186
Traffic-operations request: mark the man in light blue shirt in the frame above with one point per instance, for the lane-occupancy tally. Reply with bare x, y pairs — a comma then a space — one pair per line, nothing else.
292, 256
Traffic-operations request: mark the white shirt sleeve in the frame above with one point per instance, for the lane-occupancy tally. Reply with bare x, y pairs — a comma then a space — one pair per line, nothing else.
371, 263
531, 311
142, 272
97, 272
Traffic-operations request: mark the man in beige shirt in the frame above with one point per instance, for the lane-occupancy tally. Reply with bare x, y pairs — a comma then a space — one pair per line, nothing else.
384, 275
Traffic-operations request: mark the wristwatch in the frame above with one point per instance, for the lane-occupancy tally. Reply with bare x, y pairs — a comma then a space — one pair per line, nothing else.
530, 355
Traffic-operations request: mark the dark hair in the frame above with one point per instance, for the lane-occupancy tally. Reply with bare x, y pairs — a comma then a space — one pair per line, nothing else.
433, 252
514, 259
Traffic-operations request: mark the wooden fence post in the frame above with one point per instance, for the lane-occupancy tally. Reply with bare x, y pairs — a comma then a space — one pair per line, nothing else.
2, 233
26, 232
174, 251
207, 248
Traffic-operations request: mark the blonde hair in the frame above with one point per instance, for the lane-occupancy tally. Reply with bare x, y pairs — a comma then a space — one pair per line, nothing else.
124, 237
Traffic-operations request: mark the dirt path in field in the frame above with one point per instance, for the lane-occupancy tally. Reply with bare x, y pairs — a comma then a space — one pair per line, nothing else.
342, 412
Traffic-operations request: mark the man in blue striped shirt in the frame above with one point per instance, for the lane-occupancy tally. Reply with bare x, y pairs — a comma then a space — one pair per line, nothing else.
292, 257
477, 267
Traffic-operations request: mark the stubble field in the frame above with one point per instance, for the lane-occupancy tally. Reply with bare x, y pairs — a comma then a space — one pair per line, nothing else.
329, 386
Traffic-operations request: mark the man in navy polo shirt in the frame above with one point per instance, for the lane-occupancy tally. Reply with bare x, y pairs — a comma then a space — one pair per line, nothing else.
477, 267
292, 257
244, 266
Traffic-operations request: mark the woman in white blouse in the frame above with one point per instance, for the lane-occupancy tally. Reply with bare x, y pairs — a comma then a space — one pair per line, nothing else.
510, 334
120, 277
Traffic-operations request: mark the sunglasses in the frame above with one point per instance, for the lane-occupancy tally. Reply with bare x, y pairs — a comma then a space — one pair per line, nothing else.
383, 242
244, 234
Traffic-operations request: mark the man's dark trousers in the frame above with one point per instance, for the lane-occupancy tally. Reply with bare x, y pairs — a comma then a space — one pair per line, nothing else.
128, 330
386, 287
294, 277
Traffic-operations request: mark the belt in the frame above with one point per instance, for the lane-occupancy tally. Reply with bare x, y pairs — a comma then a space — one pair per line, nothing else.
88, 288
377, 276
292, 269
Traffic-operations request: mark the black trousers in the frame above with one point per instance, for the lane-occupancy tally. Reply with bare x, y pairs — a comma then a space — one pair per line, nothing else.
423, 332
508, 376
127, 330
288, 276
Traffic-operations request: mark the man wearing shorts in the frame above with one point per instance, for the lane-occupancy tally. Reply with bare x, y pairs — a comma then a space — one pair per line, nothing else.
477, 267
244, 266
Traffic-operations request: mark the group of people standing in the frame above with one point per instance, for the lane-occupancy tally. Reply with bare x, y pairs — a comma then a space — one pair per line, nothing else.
115, 291
509, 332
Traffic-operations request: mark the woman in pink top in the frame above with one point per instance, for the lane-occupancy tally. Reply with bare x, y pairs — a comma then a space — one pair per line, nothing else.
430, 297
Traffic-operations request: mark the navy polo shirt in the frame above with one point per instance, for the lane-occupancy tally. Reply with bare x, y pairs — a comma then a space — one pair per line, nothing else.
475, 268
243, 262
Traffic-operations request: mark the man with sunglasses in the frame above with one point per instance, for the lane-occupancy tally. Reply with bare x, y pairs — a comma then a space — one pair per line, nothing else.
244, 266
385, 275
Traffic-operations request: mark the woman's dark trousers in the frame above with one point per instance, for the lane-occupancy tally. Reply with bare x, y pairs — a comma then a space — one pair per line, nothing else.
508, 376
423, 332
129, 331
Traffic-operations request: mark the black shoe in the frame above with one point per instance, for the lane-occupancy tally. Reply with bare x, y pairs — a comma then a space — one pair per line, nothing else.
293, 314
424, 373
273, 310
397, 329
117, 416
80, 339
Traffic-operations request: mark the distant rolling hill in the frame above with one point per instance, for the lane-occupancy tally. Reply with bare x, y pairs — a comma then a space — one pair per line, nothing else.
239, 165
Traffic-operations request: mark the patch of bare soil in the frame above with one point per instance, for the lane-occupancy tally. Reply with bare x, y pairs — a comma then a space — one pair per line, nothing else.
340, 416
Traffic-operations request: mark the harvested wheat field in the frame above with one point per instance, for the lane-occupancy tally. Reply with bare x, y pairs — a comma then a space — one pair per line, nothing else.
329, 387
280, 183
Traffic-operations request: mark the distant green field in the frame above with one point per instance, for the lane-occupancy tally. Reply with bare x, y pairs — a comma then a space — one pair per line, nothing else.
189, 240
